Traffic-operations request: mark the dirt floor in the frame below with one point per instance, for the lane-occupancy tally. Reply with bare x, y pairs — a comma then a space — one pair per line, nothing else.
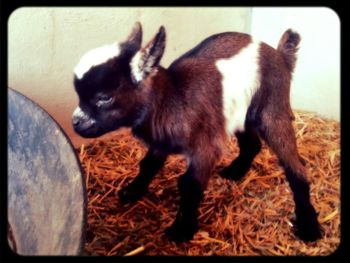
251, 217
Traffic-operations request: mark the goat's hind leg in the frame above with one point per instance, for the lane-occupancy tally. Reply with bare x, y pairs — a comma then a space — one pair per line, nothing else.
279, 135
249, 145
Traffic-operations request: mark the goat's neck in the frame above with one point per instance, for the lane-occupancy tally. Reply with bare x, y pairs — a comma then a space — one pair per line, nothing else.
162, 105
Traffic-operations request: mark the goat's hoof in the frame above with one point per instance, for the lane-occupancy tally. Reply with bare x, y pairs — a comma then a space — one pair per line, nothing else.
131, 194
308, 231
179, 233
233, 172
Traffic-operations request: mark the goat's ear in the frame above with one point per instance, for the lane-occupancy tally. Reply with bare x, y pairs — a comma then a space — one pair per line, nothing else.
133, 42
135, 37
146, 60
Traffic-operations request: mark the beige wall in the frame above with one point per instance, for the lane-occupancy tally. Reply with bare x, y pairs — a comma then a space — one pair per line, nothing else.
316, 80
46, 43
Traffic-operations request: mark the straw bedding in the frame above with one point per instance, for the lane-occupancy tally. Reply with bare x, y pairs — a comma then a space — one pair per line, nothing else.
253, 216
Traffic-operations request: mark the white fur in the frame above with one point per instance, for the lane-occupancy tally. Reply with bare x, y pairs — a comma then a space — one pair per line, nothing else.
141, 68
135, 66
79, 113
96, 57
240, 81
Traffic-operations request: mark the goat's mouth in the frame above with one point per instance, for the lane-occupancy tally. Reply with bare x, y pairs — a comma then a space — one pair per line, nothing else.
90, 131
95, 130
91, 134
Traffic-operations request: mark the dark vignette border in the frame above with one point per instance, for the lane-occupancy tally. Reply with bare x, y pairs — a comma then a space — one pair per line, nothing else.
342, 254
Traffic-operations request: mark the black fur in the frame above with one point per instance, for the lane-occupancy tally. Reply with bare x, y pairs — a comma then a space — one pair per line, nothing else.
149, 167
249, 145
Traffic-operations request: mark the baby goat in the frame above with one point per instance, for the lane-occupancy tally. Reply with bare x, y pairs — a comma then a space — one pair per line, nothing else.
227, 85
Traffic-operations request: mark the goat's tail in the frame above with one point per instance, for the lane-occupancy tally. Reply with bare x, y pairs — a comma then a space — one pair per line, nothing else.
288, 46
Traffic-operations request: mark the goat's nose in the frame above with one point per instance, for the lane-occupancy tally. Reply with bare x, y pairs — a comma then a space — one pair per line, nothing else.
77, 116
75, 121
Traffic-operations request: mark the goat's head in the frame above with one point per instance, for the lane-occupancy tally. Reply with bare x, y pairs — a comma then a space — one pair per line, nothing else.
110, 82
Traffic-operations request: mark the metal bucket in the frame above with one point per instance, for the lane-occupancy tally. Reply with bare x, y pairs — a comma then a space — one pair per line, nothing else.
46, 191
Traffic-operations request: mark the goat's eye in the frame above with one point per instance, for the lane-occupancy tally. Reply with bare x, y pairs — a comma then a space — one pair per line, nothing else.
104, 101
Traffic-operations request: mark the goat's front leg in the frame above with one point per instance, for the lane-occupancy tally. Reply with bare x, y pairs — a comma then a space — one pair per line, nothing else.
149, 167
191, 186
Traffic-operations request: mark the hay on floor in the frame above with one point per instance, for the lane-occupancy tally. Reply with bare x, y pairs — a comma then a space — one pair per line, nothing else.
251, 217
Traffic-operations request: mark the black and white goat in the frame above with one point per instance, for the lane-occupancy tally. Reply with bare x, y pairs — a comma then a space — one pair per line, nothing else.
227, 85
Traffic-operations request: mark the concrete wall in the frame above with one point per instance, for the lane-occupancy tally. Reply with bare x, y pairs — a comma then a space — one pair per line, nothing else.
46, 43
316, 83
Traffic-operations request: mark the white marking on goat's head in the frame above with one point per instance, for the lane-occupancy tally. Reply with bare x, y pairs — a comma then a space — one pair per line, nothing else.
80, 114
96, 57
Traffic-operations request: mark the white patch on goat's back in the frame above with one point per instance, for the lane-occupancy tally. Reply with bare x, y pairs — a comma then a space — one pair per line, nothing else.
96, 57
240, 80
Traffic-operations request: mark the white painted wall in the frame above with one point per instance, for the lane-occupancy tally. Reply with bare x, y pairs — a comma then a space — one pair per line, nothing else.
316, 83
44, 44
